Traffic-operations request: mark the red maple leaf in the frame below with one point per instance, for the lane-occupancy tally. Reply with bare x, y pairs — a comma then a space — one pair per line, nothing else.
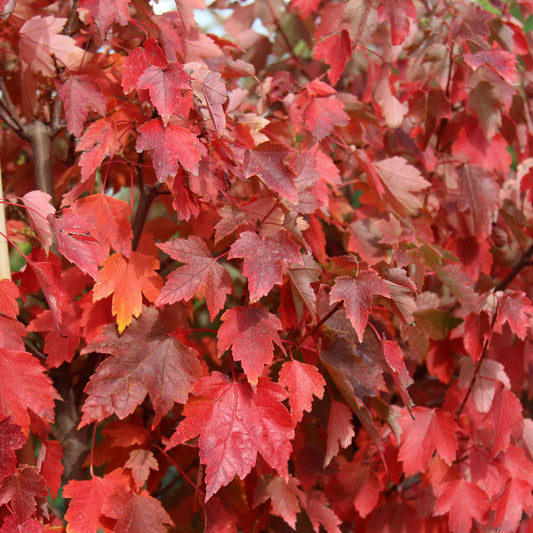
105, 13
251, 332
139, 59
80, 93
265, 259
301, 277
305, 7
42, 46
322, 115
283, 497
463, 501
107, 220
74, 243
165, 86
268, 161
24, 384
357, 295
84, 512
401, 181
515, 308
501, 61
136, 513
484, 386
144, 360
315, 504
49, 279
314, 172
128, 280
480, 195
38, 207
11, 438
477, 333
354, 372
22, 489
429, 430
340, 430
211, 91
506, 417
50, 466
220, 517
201, 272
141, 462
334, 50
515, 500
396, 362
9, 292
234, 424
303, 381
11, 525
398, 13
428, 108
59, 346
354, 485
172, 145
99, 140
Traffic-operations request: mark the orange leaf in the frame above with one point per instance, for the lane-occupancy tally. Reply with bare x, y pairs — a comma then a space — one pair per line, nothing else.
128, 280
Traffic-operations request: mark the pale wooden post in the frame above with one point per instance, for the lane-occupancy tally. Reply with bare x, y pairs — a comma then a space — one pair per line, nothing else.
5, 269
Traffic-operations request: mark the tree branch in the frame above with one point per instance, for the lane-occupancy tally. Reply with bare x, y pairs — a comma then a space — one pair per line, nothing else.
56, 124
73, 23
6, 117
145, 201
147, 197
39, 135
73, 440
8, 105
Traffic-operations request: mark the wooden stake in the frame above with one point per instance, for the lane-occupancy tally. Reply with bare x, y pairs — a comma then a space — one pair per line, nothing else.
5, 269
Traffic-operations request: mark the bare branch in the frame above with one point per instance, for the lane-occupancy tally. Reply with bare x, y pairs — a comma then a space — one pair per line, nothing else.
9, 121
524, 261
8, 105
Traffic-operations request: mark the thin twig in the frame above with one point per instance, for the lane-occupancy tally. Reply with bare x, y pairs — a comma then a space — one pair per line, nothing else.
363, 23
486, 344
524, 261
284, 36
320, 322
9, 106
8, 120
34, 350
185, 476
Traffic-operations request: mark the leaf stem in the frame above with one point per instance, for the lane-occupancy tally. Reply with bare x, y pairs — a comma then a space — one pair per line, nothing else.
92, 450
185, 476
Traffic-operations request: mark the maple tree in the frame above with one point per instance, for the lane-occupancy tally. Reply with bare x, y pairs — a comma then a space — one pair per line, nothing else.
272, 278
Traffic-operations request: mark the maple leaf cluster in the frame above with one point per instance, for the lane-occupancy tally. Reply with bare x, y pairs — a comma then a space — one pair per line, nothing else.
274, 278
